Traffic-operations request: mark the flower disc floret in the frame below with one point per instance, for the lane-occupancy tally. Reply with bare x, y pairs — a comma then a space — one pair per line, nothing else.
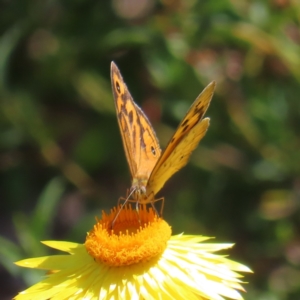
135, 237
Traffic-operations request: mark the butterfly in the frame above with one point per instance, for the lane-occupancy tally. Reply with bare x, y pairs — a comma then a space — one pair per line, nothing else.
150, 168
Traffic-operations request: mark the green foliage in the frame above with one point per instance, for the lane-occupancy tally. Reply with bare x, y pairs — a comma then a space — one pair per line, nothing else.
57, 120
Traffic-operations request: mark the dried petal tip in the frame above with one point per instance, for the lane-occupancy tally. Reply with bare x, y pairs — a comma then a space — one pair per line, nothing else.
136, 237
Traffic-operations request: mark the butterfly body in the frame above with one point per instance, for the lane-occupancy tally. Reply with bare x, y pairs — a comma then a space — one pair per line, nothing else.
149, 166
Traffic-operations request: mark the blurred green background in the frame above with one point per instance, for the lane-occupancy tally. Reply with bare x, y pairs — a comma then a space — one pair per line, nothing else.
62, 160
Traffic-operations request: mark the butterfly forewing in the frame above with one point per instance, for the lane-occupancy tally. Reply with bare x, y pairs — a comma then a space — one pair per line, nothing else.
188, 134
139, 139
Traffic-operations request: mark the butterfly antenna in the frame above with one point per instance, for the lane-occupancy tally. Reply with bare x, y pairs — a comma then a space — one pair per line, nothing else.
125, 201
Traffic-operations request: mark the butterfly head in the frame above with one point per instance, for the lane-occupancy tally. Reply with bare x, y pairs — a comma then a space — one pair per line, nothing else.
138, 190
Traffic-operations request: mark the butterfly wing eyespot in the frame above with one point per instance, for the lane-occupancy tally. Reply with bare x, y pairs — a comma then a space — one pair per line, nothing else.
118, 87
153, 150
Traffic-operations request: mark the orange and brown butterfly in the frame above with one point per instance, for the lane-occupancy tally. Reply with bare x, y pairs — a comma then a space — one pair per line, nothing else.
150, 167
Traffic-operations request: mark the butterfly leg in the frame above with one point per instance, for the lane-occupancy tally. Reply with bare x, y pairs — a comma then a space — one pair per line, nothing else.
121, 199
152, 200
154, 208
137, 210
162, 199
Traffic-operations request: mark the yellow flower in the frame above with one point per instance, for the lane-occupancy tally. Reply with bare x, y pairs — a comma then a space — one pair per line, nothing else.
137, 259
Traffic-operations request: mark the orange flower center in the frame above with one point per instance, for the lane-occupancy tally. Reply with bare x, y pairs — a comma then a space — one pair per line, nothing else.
136, 237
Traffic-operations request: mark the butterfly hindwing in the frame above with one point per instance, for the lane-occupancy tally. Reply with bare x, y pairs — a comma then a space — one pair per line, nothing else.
178, 157
185, 139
